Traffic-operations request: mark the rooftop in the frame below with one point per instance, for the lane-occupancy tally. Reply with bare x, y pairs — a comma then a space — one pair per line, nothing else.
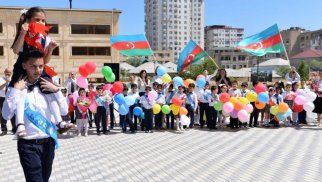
310, 53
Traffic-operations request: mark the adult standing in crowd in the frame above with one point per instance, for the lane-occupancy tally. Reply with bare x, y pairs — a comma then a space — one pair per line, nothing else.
143, 81
4, 82
207, 76
293, 76
222, 79
70, 83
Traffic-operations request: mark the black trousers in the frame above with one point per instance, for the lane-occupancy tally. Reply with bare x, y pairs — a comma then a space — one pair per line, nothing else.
112, 117
191, 114
100, 118
126, 120
148, 119
36, 159
234, 123
158, 120
170, 122
254, 116
204, 108
4, 122
213, 117
133, 117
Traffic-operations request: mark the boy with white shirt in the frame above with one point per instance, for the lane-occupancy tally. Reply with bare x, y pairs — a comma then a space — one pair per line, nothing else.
234, 92
147, 109
191, 103
203, 104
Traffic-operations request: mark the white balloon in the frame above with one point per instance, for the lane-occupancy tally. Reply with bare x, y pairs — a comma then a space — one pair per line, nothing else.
310, 96
184, 120
308, 106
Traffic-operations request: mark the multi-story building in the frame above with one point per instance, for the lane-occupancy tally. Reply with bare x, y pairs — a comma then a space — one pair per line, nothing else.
82, 35
170, 24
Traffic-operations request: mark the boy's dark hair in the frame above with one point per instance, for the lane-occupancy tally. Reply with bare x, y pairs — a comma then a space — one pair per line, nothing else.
171, 85
234, 81
63, 90
213, 88
134, 85
32, 53
159, 86
98, 87
125, 88
155, 84
255, 83
191, 85
80, 89
148, 87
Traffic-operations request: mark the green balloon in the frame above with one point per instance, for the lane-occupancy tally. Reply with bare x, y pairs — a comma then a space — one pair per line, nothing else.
110, 78
142, 115
273, 110
218, 106
165, 109
107, 71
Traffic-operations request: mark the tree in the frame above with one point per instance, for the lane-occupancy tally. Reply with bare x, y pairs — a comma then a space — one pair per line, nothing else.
315, 64
304, 70
196, 69
283, 70
134, 61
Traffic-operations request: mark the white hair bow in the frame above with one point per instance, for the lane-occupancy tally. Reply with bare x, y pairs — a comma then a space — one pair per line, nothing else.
23, 11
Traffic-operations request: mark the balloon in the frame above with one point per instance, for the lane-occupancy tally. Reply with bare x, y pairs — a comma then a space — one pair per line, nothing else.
259, 105
123, 109
142, 115
161, 71
263, 97
110, 78
234, 114
107, 86
152, 95
119, 99
297, 108
177, 81
242, 116
118, 87
75, 96
243, 100
184, 120
238, 105
201, 82
282, 107
156, 108
248, 108
224, 97
310, 96
273, 110
233, 100
106, 71
165, 109
251, 96
90, 67
83, 70
260, 87
225, 114
129, 100
300, 100
187, 82
308, 106
183, 111
93, 107
228, 107
176, 101
218, 106
300, 92
281, 116
166, 78
175, 109
137, 111
82, 82
201, 76
288, 112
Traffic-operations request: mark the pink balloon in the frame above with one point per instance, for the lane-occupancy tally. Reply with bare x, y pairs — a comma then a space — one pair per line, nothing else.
234, 114
249, 108
300, 92
228, 107
300, 100
107, 86
82, 82
260, 88
201, 76
93, 107
152, 95
225, 114
242, 115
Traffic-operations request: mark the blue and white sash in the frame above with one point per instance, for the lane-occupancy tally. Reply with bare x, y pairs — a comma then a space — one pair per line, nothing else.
41, 122
170, 97
191, 100
101, 101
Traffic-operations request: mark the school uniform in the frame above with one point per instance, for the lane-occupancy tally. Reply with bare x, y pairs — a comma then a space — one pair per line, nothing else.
158, 118
191, 105
212, 99
168, 100
126, 120
276, 99
136, 104
148, 114
101, 112
234, 122
204, 106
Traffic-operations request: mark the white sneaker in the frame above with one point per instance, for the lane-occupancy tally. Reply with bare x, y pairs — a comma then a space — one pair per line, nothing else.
182, 129
86, 135
79, 135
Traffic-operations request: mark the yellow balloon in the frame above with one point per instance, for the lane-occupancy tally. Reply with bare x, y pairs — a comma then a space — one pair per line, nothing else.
243, 100
233, 99
175, 109
156, 108
166, 78
251, 96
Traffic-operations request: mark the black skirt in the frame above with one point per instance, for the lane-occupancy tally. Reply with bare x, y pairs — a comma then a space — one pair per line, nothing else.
317, 105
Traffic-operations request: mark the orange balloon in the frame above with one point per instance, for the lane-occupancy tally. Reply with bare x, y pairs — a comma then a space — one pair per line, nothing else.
187, 82
238, 105
183, 111
259, 105
282, 107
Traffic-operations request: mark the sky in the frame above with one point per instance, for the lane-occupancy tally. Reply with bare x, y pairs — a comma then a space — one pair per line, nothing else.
252, 15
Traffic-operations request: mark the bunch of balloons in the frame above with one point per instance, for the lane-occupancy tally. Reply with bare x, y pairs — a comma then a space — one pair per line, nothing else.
108, 73
85, 70
281, 111
162, 73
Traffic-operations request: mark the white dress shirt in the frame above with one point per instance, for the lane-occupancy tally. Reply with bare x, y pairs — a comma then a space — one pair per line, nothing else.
68, 84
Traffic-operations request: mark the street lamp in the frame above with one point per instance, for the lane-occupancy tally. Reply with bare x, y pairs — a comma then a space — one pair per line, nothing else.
70, 4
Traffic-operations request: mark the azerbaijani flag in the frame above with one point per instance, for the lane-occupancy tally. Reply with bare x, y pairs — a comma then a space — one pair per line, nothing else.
191, 54
131, 45
267, 41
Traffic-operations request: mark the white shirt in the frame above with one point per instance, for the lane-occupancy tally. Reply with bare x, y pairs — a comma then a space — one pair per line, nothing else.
14, 105
290, 79
142, 85
212, 99
68, 84
135, 96
203, 95
146, 103
234, 93
3, 91
160, 99
192, 97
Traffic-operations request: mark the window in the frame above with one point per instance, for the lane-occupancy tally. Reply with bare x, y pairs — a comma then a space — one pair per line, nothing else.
91, 51
0, 27
54, 29
56, 51
1, 50
90, 29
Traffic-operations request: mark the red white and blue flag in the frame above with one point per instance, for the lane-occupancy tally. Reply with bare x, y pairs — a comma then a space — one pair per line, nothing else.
191, 54
131, 45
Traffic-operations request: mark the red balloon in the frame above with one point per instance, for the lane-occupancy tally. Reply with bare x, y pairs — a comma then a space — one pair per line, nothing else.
297, 108
260, 88
83, 70
91, 67
224, 97
118, 87
176, 101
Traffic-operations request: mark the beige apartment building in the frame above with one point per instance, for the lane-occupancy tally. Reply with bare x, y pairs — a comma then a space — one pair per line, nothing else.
82, 35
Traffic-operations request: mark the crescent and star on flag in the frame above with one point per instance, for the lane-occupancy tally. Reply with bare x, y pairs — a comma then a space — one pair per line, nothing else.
130, 45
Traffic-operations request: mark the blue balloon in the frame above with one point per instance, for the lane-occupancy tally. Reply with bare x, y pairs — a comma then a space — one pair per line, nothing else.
177, 81
137, 111
161, 71
119, 99
129, 100
123, 109
263, 97
201, 82
281, 116
288, 112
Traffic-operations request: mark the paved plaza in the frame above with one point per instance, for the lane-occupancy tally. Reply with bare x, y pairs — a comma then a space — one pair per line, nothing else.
257, 154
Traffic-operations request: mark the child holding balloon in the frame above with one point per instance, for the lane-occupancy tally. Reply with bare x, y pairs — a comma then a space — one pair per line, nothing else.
288, 97
213, 98
158, 117
147, 109
179, 99
221, 116
168, 98
134, 93
81, 112
125, 119
191, 103
234, 92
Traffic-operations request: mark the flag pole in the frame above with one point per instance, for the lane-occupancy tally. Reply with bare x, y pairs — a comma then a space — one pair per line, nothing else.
283, 46
212, 59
